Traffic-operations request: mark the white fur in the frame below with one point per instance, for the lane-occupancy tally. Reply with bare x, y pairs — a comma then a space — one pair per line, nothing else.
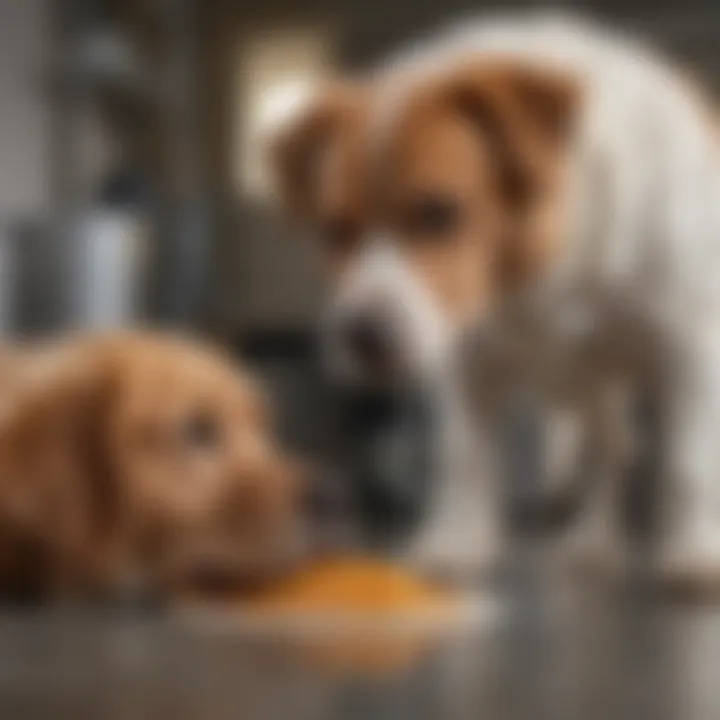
380, 282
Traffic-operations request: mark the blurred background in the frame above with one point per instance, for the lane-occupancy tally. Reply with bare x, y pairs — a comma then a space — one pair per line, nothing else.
131, 182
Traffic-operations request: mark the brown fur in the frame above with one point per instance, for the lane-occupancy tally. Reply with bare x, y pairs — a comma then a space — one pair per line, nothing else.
102, 480
294, 152
488, 137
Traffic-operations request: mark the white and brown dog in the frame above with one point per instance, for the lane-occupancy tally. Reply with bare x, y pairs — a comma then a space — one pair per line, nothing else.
558, 188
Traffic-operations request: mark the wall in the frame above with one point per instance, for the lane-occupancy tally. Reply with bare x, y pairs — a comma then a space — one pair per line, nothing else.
23, 131
23, 112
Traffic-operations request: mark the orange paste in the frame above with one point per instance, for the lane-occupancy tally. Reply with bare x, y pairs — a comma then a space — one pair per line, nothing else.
354, 585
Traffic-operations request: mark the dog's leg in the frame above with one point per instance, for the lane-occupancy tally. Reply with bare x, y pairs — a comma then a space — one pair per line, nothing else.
689, 552
460, 536
598, 542
563, 459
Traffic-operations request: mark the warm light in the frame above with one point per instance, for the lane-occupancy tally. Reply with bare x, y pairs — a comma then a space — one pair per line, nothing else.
276, 72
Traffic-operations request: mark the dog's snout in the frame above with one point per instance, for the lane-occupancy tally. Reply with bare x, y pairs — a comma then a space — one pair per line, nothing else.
368, 341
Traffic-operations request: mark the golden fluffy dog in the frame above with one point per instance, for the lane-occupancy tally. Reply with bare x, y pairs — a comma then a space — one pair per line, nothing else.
140, 461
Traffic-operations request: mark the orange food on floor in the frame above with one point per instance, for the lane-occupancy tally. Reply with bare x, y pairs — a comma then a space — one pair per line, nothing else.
350, 585
356, 587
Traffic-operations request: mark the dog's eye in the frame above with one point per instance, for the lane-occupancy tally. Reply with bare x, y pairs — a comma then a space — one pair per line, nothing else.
201, 432
432, 216
340, 233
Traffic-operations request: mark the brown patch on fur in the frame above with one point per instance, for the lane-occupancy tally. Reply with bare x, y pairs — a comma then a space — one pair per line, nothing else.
468, 179
437, 156
508, 176
137, 456
527, 115
295, 152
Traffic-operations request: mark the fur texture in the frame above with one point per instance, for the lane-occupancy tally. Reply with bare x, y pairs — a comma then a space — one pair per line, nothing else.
556, 187
137, 462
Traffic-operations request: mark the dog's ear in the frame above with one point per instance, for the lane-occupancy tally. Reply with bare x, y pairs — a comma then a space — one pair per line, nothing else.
296, 146
60, 502
528, 115
529, 118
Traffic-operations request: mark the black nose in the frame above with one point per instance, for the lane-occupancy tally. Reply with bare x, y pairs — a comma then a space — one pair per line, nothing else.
368, 342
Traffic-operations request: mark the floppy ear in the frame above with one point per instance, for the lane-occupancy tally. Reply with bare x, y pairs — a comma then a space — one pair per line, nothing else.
296, 147
528, 114
59, 500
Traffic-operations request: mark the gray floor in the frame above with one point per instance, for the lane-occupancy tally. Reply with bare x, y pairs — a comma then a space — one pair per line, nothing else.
576, 653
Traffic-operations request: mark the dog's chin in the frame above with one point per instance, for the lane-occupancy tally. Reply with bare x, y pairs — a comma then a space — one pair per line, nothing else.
216, 572
212, 577
220, 580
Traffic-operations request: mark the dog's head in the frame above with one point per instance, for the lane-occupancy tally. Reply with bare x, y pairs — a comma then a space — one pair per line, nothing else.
435, 196
141, 459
